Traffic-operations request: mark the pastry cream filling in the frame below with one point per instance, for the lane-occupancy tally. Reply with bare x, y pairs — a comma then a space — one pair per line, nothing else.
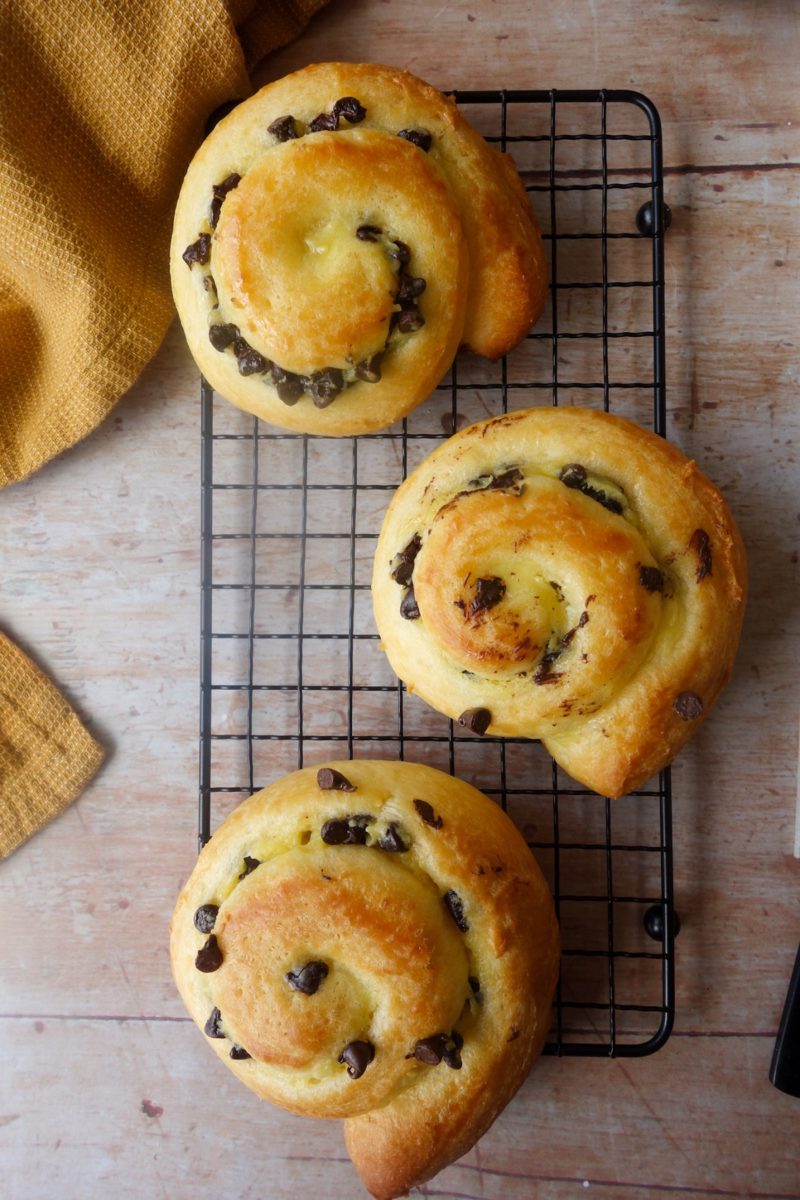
391, 962
292, 272
557, 571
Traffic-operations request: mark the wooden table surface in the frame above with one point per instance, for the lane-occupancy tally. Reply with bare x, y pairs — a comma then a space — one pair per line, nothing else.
105, 1086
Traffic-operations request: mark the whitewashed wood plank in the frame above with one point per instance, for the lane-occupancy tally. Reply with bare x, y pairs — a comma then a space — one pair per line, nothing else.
100, 571
142, 1108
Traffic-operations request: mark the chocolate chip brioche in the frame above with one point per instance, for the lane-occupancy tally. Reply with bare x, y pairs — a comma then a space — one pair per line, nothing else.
337, 236
372, 941
564, 574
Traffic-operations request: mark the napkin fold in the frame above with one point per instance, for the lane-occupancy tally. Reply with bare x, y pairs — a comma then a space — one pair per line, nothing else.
102, 105
46, 755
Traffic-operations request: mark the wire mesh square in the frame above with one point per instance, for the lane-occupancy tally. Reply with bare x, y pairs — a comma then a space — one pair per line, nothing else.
291, 669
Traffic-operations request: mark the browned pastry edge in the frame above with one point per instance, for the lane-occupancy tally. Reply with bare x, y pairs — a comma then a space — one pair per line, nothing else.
485, 294
616, 617
457, 840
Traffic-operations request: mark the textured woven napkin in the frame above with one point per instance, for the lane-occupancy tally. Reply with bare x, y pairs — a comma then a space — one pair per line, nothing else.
46, 755
102, 105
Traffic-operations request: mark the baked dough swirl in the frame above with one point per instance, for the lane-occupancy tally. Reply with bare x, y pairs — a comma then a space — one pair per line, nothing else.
337, 236
564, 574
373, 941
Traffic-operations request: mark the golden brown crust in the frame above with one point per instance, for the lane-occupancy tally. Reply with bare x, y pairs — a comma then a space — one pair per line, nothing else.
283, 263
601, 614
404, 961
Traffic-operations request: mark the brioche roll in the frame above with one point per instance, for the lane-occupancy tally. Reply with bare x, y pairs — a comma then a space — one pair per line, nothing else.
372, 941
564, 574
337, 236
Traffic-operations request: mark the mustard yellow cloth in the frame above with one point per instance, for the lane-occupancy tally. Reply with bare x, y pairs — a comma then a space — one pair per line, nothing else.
102, 104
46, 754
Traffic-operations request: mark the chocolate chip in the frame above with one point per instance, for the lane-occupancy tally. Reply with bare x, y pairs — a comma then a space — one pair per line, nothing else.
218, 194
221, 336
347, 831
228, 184
401, 252
603, 498
439, 1048
402, 565
308, 978
410, 320
220, 112
209, 285
488, 592
476, 719
430, 1050
351, 109
323, 121
209, 956
514, 1034
543, 672
325, 386
474, 984
205, 917
290, 390
357, 1056
651, 579
288, 385
368, 233
411, 286
392, 841
573, 475
250, 362
213, 1026
198, 252
701, 544
451, 1058
335, 833
409, 609
239, 1052
427, 814
369, 370
330, 780
570, 634
250, 864
284, 128
418, 137
511, 480
688, 705
455, 906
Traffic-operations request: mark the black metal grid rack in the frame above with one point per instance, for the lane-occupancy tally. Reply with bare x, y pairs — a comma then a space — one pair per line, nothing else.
291, 673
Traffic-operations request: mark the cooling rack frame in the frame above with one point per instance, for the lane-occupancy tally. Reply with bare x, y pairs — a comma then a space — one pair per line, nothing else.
604, 1031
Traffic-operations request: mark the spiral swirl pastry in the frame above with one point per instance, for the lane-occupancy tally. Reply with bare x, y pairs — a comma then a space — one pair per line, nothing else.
563, 574
337, 236
373, 941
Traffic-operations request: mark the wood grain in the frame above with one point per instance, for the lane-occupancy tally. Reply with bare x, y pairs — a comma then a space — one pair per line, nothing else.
100, 569
113, 1104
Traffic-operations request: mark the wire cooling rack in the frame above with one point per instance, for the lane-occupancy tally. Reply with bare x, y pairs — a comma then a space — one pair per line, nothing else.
291, 670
